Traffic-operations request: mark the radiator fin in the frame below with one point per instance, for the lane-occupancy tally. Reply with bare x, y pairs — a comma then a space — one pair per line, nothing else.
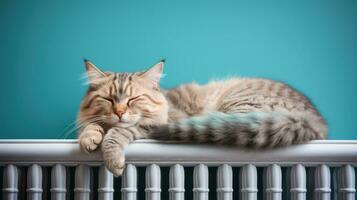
177, 182
272, 182
82, 182
105, 184
58, 182
10, 182
322, 187
34, 182
200, 182
129, 183
345, 188
225, 182
298, 182
153, 182
248, 182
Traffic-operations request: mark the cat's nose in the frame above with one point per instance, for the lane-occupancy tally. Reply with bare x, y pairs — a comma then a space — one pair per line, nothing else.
120, 110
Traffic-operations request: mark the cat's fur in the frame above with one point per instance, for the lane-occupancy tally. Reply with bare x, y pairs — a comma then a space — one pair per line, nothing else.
257, 113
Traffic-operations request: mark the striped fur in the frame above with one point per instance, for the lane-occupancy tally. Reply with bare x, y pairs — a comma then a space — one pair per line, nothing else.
256, 113
253, 130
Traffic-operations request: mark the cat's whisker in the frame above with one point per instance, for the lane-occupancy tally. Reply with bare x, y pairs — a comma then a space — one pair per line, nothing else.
79, 124
68, 127
67, 130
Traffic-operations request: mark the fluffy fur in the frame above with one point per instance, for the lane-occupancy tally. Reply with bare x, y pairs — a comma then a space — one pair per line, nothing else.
256, 113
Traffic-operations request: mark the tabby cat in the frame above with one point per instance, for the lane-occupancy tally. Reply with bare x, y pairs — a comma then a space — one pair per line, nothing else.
246, 112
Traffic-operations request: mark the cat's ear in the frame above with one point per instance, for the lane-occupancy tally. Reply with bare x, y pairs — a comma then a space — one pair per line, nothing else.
154, 73
94, 74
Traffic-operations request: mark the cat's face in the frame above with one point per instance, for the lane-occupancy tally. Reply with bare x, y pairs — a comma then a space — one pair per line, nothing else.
123, 99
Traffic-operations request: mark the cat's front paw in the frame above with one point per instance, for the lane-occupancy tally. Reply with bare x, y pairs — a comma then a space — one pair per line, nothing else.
90, 138
115, 164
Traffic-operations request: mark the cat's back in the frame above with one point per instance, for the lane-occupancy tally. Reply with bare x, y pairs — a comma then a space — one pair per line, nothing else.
257, 94
214, 94
250, 87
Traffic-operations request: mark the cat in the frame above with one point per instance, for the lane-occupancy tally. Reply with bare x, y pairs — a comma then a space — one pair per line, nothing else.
119, 108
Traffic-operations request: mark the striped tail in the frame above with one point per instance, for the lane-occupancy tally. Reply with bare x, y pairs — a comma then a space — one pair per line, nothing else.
253, 130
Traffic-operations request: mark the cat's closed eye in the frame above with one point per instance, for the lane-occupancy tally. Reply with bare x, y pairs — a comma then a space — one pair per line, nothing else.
132, 100
108, 100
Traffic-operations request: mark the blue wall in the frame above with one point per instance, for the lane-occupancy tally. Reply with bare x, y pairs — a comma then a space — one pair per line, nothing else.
311, 45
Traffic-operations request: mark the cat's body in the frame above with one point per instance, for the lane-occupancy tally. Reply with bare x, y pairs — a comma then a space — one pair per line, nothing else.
255, 113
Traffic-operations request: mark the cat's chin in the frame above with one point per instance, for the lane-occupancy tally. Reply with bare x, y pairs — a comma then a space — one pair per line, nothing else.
124, 124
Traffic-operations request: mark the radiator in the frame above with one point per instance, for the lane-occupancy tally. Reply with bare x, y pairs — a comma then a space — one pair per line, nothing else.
58, 170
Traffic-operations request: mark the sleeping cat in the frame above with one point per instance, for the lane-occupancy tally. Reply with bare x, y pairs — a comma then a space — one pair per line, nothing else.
253, 113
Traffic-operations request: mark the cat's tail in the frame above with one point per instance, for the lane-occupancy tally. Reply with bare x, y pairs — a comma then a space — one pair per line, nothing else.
253, 130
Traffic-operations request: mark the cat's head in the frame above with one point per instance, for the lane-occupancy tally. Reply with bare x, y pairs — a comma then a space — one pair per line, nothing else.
123, 99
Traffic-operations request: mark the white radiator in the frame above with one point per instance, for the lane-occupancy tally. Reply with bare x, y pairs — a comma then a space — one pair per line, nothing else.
58, 170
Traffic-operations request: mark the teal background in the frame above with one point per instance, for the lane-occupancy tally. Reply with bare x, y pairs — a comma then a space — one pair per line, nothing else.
310, 45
